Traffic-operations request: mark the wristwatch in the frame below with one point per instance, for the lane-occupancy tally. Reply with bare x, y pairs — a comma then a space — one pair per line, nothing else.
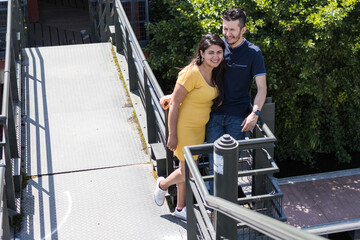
257, 112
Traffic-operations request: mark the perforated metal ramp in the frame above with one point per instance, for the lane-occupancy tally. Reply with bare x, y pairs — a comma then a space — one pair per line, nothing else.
90, 178
77, 114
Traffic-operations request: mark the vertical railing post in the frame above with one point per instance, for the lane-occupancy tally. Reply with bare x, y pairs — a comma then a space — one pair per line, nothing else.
10, 190
190, 214
13, 78
20, 24
15, 43
260, 159
11, 131
108, 13
169, 153
150, 115
118, 31
102, 25
5, 217
133, 15
131, 64
93, 20
226, 155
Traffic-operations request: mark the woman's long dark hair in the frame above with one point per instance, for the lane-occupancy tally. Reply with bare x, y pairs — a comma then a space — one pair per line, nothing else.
218, 72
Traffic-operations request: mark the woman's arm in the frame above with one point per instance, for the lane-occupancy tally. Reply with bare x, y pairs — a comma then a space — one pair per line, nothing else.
177, 97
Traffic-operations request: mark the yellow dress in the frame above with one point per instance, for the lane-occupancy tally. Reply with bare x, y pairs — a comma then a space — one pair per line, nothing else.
194, 111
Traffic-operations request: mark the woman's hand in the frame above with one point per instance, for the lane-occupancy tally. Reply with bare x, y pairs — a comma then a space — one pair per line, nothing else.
165, 100
172, 142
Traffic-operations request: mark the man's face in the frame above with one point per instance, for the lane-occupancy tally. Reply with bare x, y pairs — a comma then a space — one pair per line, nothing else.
232, 32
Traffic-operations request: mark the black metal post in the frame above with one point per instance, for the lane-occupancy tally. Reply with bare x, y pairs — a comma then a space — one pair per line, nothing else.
13, 78
93, 20
131, 64
260, 159
10, 189
191, 220
169, 153
133, 15
118, 32
11, 134
5, 217
150, 115
226, 155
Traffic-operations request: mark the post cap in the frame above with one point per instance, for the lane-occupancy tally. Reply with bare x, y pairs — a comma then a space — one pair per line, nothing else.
226, 142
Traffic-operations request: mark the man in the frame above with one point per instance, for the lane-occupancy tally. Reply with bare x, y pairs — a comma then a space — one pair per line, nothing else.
244, 63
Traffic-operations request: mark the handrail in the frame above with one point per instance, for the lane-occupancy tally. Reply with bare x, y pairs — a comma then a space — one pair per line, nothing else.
136, 46
259, 222
142, 79
9, 94
6, 92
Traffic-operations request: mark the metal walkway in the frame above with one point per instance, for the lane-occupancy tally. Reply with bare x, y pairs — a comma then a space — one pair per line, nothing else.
90, 178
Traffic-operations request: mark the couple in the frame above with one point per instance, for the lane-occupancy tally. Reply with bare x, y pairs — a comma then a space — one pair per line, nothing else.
208, 98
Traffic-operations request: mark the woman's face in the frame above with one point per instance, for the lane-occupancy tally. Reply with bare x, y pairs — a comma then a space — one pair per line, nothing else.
212, 56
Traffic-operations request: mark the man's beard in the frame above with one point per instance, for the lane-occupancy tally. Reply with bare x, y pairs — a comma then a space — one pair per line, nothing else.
236, 39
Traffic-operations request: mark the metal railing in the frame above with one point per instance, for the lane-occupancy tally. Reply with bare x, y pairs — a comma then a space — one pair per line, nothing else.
141, 78
143, 82
101, 17
252, 222
10, 95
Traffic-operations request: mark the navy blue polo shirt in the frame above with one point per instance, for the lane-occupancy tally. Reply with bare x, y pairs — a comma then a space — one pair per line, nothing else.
244, 62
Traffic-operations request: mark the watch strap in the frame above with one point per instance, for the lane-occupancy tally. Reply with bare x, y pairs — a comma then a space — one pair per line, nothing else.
257, 112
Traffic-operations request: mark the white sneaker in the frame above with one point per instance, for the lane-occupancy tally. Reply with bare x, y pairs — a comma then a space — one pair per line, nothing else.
180, 214
159, 194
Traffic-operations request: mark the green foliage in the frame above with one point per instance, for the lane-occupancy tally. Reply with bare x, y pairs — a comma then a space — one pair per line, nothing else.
173, 40
311, 51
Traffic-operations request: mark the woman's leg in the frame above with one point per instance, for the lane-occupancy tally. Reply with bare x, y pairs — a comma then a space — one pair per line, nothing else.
176, 177
181, 189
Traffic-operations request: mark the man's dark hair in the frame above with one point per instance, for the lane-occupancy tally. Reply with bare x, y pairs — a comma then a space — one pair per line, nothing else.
235, 14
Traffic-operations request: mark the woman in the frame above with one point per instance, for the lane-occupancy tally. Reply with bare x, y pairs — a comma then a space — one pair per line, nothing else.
198, 89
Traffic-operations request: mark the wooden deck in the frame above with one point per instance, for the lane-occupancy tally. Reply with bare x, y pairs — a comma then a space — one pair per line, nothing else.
321, 200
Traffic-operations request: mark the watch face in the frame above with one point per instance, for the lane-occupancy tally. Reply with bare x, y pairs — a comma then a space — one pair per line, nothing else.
257, 112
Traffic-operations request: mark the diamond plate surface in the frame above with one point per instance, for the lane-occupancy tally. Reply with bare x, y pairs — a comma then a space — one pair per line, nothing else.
115, 203
77, 114
90, 177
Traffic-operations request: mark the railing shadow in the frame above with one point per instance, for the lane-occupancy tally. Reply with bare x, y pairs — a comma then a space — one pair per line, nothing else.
38, 126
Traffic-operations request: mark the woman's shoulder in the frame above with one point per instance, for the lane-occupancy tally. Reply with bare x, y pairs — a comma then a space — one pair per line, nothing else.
190, 70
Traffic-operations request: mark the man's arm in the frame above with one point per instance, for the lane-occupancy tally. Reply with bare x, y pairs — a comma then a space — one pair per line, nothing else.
250, 121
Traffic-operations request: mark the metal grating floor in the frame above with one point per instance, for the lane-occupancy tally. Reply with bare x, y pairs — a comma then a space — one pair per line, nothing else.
77, 114
90, 178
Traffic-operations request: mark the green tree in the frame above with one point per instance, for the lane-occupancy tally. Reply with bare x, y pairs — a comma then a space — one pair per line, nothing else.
173, 40
311, 51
